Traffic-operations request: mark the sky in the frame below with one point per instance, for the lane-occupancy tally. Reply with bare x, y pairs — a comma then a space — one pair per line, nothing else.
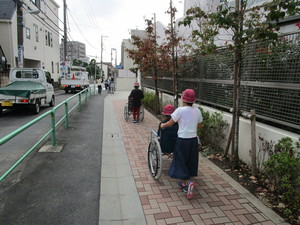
88, 20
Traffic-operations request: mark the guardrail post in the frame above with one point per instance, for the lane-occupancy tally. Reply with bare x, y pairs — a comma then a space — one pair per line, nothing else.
67, 114
79, 104
53, 139
86, 95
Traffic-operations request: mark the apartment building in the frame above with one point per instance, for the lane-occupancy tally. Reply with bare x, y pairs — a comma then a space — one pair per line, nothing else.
29, 34
75, 50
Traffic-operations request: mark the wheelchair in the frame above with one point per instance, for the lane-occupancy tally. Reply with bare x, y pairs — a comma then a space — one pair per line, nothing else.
128, 111
161, 145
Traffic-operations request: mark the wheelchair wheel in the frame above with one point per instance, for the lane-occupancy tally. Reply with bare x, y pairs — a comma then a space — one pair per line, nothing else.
155, 160
142, 113
126, 113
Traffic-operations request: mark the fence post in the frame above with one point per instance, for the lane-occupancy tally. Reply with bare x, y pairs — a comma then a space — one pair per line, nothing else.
253, 143
53, 139
86, 95
66, 114
79, 104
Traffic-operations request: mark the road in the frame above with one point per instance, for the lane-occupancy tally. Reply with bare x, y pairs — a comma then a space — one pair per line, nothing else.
11, 120
58, 188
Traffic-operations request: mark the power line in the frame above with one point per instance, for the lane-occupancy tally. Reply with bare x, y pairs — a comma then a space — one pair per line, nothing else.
81, 31
91, 17
92, 11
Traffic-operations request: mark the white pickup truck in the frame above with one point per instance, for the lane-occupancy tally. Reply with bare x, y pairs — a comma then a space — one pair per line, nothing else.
76, 80
28, 87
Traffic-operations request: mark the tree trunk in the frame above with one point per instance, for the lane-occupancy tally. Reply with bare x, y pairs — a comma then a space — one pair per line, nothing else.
237, 82
157, 110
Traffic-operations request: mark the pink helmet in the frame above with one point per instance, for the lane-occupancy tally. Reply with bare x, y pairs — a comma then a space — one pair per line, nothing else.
188, 96
136, 84
168, 110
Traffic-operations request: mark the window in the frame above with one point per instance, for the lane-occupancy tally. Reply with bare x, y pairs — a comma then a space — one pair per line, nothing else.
52, 66
46, 37
31, 74
36, 28
27, 33
48, 77
51, 41
37, 3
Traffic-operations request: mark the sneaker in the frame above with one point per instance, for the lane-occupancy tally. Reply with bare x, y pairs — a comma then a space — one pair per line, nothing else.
182, 187
190, 189
134, 121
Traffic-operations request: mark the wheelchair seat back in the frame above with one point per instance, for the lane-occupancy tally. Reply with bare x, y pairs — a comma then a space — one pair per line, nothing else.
168, 137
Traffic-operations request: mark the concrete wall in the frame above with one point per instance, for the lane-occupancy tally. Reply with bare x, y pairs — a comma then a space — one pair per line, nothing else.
125, 84
265, 131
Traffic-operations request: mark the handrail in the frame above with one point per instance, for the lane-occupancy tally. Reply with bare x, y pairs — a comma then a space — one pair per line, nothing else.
8, 137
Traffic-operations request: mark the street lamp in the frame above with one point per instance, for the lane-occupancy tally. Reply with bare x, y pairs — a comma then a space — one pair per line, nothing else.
20, 18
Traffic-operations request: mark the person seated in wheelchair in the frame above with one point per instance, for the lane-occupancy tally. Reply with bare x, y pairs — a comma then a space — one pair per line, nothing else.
168, 136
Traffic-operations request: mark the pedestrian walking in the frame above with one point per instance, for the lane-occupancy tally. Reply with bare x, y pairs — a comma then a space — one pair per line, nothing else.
136, 97
186, 153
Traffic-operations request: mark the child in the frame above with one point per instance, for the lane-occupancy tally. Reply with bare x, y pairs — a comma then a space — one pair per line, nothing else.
186, 153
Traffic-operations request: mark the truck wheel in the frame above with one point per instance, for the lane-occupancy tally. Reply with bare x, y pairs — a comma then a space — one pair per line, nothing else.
1, 110
66, 91
36, 107
52, 103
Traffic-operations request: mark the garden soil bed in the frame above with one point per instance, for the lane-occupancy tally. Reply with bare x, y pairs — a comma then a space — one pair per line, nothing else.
256, 186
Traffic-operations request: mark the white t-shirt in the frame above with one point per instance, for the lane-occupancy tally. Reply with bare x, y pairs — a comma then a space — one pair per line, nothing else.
188, 118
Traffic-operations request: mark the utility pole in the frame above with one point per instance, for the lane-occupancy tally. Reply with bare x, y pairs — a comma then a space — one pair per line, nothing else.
101, 55
20, 33
65, 32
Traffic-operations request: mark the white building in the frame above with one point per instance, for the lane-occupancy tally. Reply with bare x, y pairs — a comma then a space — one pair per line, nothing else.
287, 25
40, 25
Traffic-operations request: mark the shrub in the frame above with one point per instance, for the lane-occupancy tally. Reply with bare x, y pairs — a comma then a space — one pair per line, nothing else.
283, 171
149, 101
213, 130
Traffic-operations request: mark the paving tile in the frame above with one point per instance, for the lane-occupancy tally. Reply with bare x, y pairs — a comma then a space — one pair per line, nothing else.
216, 200
186, 215
220, 220
164, 215
174, 220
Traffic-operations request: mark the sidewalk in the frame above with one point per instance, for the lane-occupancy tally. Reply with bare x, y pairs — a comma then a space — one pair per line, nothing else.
129, 195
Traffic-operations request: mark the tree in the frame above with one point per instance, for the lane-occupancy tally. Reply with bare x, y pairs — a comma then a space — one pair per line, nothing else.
168, 50
246, 24
145, 57
93, 69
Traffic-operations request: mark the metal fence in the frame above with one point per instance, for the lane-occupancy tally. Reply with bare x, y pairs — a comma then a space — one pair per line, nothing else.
270, 81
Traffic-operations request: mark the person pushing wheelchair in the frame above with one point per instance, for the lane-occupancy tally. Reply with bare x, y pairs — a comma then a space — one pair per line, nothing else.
186, 153
136, 97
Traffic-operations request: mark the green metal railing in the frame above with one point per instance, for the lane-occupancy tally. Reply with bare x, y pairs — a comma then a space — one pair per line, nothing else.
82, 97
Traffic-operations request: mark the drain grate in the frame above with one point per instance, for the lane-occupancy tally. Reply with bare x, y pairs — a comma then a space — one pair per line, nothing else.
112, 135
